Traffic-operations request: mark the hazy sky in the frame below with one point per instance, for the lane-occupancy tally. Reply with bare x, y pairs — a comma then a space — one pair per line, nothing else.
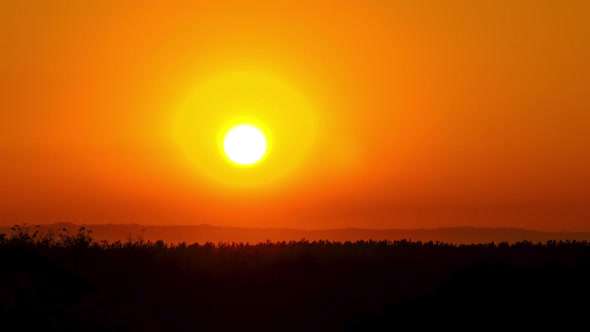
385, 114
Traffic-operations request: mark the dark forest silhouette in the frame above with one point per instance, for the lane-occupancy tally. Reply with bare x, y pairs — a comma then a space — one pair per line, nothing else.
57, 280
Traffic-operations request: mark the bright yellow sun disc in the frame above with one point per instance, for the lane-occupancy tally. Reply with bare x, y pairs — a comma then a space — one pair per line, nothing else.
244, 145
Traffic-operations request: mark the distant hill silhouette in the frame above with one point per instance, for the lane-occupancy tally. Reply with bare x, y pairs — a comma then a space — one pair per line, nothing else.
208, 233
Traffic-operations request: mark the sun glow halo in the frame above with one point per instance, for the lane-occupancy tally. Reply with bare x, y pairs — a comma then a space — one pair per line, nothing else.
245, 145
256, 99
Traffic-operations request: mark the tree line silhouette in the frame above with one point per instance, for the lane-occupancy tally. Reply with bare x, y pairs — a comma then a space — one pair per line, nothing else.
57, 280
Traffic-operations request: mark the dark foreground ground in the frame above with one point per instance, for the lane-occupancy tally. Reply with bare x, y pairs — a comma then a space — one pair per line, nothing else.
68, 282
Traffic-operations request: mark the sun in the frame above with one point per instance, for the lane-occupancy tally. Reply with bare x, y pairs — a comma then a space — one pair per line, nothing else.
245, 145
243, 128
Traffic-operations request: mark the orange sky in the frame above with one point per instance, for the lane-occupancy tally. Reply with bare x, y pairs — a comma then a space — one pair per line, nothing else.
392, 114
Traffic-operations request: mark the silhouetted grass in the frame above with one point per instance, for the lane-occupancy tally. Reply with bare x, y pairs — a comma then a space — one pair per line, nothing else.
61, 281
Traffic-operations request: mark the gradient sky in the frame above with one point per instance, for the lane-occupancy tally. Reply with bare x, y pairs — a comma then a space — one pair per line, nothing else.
393, 114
